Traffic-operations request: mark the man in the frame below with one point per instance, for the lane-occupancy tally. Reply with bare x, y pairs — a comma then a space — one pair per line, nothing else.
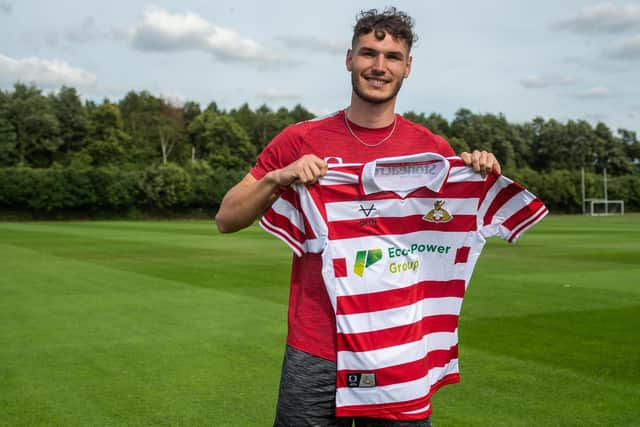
379, 60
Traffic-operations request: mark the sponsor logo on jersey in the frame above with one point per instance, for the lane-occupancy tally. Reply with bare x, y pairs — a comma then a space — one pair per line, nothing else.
438, 213
417, 248
399, 267
367, 211
365, 379
365, 259
367, 221
408, 169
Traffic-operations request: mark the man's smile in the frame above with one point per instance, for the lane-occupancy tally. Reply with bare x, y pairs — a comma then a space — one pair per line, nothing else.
377, 81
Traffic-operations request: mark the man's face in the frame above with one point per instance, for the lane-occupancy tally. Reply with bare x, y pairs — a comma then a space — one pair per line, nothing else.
378, 67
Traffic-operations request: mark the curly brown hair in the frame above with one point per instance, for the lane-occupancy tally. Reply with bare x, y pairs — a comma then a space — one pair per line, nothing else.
390, 21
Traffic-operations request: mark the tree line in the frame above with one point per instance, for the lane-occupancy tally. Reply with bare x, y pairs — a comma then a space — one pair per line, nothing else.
60, 154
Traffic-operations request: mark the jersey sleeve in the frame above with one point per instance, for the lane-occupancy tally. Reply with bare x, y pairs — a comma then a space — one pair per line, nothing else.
507, 209
444, 148
291, 219
280, 152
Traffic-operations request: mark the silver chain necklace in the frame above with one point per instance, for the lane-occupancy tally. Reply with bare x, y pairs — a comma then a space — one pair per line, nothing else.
346, 122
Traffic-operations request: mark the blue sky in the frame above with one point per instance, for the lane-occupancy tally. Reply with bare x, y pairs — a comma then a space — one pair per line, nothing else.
567, 60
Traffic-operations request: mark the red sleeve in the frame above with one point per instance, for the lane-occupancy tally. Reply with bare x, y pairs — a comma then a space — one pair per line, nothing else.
508, 209
285, 219
281, 151
294, 219
444, 148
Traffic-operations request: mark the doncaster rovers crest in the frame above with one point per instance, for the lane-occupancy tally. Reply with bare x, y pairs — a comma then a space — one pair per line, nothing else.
438, 213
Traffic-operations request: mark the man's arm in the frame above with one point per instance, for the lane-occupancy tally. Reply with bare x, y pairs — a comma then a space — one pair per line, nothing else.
250, 198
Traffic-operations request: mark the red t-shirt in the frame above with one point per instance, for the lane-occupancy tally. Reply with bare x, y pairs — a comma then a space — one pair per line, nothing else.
312, 323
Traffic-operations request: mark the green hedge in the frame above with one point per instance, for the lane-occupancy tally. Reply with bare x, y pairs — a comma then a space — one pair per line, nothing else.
169, 188
106, 189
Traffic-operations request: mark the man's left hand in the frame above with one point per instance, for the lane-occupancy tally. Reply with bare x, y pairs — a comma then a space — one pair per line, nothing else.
482, 162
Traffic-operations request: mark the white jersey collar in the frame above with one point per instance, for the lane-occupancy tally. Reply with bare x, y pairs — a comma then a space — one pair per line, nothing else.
404, 174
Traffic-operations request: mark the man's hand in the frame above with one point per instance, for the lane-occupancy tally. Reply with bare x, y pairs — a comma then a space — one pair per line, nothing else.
249, 198
481, 161
306, 170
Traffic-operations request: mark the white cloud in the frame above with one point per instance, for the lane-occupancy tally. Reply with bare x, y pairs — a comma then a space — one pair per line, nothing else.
626, 50
540, 82
162, 31
313, 44
602, 18
6, 6
278, 95
43, 72
594, 92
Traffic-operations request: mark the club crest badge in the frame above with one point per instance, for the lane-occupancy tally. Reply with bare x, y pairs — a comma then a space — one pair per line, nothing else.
438, 213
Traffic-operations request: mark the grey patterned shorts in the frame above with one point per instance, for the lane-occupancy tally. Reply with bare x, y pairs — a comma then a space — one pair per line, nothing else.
307, 396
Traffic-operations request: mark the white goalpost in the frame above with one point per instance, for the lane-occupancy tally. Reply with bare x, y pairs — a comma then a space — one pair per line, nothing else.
601, 207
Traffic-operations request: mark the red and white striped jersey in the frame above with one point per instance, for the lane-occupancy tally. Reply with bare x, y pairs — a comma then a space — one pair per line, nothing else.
399, 238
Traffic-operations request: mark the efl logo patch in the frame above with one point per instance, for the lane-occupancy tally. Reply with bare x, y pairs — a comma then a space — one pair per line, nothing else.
363, 380
438, 213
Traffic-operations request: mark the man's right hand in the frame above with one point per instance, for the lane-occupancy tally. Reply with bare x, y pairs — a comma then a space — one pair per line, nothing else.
306, 170
249, 198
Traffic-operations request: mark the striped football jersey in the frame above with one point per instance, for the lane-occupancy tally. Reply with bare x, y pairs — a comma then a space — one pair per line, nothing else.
399, 238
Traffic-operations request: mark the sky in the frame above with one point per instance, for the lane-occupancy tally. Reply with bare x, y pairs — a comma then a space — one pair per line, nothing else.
568, 60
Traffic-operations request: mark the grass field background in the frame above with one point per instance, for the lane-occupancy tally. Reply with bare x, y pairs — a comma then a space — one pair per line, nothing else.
171, 323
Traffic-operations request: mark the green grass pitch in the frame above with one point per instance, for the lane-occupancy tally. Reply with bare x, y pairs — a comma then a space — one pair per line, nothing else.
170, 323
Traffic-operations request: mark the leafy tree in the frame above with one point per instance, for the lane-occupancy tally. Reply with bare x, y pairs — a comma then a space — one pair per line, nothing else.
434, 122
8, 143
8, 136
107, 143
37, 128
213, 107
245, 117
72, 117
222, 141
268, 124
547, 144
614, 156
171, 129
141, 115
487, 132
156, 126
165, 186
632, 146
458, 145
190, 110
120, 155
210, 184
300, 114
263, 124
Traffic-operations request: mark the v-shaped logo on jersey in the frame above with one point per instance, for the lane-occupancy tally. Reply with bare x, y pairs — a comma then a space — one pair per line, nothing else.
365, 259
367, 211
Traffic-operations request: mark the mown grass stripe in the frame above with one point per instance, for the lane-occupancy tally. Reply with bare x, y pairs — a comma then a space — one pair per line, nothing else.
170, 323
